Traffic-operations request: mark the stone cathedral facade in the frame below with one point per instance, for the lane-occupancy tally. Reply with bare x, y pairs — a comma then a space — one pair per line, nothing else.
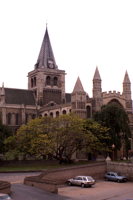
46, 94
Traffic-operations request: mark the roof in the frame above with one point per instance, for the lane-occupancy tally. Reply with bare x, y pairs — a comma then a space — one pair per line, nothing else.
78, 86
46, 57
126, 78
19, 96
96, 75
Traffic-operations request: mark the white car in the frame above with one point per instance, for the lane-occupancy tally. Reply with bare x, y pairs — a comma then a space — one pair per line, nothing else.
4, 197
83, 181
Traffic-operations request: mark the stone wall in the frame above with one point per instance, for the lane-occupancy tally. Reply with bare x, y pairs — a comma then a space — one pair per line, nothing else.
121, 167
5, 187
51, 179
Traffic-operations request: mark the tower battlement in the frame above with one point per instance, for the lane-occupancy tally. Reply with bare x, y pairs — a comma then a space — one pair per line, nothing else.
112, 94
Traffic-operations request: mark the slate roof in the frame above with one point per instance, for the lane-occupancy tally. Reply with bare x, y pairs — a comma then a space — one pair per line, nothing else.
78, 86
19, 96
46, 53
126, 78
97, 75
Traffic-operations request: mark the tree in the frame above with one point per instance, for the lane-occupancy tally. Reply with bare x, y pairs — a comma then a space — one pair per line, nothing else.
115, 117
67, 137
4, 133
23, 141
32, 138
100, 135
59, 137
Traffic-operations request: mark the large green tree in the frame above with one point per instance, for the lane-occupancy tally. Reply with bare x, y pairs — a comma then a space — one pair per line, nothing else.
4, 133
102, 137
31, 139
115, 117
59, 137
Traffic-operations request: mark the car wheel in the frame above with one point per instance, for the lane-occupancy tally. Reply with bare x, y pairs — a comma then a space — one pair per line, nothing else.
69, 183
124, 180
82, 185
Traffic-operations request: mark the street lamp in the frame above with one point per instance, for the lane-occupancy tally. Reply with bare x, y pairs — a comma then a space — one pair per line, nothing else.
113, 147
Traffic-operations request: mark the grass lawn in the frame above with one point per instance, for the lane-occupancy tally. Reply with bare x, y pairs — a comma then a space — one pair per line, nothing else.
36, 166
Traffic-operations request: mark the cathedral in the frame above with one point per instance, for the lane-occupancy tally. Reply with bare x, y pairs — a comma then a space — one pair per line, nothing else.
46, 94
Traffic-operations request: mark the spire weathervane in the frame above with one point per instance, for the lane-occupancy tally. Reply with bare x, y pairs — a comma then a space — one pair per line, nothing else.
46, 24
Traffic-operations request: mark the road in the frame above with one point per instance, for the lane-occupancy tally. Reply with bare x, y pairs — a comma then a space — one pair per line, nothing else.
24, 192
16, 177
102, 190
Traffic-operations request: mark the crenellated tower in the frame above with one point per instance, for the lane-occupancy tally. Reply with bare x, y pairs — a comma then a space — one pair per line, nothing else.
46, 80
78, 99
97, 91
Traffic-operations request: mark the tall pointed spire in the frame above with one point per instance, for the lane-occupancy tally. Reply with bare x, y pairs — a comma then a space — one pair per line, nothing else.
46, 57
127, 87
97, 75
2, 89
97, 90
126, 78
78, 86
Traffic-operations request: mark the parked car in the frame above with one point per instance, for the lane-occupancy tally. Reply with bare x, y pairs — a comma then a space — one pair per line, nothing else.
83, 181
4, 197
113, 176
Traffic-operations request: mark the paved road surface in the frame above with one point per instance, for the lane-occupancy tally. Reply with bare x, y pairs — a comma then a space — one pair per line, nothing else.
16, 177
24, 192
103, 190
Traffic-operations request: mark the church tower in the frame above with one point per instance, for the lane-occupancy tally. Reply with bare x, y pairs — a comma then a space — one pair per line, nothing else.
97, 91
127, 92
46, 80
78, 99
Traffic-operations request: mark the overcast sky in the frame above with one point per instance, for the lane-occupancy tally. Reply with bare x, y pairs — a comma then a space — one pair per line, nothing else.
83, 33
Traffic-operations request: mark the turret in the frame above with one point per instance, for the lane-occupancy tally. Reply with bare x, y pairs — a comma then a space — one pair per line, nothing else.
78, 99
97, 91
127, 92
2, 102
2, 94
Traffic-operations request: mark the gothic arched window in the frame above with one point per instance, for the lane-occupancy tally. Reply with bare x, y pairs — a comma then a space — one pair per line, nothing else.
34, 81
9, 116
55, 80
26, 117
48, 80
17, 119
64, 112
33, 116
57, 114
51, 114
88, 108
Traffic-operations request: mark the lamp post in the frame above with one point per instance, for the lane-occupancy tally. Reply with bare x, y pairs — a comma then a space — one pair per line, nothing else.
113, 147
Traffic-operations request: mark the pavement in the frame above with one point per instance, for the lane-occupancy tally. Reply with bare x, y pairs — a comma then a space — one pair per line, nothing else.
102, 190
24, 192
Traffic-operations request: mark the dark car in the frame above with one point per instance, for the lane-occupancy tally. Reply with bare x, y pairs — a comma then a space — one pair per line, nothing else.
113, 176
83, 181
